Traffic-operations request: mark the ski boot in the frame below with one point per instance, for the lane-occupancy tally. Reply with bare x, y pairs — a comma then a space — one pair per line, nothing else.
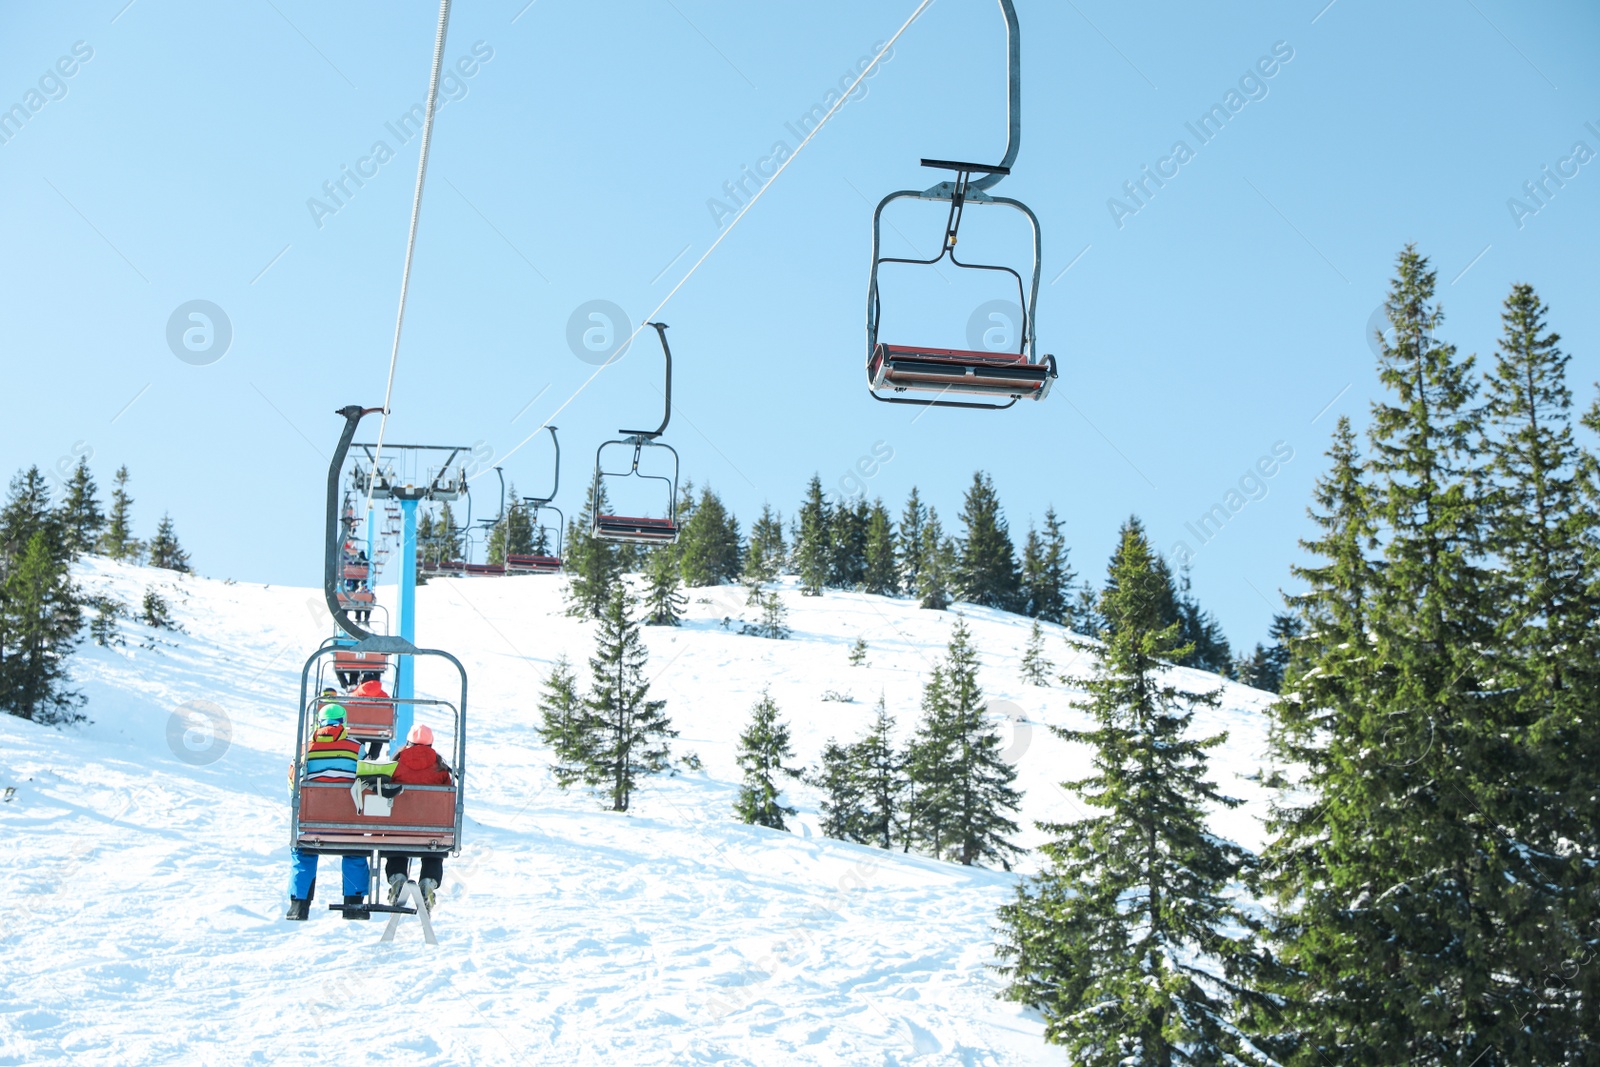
397, 882
299, 911
428, 886
352, 903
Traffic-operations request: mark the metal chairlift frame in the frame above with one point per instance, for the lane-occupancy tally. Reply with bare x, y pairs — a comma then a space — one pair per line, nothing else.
1033, 375
536, 504
366, 832
639, 530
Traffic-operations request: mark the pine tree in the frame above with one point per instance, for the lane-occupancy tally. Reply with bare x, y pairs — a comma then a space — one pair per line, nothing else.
1543, 534
103, 628
763, 748
1047, 577
842, 811
625, 732
766, 555
27, 512
858, 653
154, 611
447, 545
593, 564
80, 515
1036, 666
848, 555
986, 570
424, 542
879, 575
1084, 614
164, 551
663, 603
1264, 667
937, 566
1405, 899
1201, 633
963, 785
879, 775
118, 541
774, 622
563, 724
513, 535
813, 545
1126, 940
39, 621
909, 542
708, 549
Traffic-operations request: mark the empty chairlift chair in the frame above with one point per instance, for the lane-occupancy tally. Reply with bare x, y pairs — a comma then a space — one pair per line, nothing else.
641, 529
989, 377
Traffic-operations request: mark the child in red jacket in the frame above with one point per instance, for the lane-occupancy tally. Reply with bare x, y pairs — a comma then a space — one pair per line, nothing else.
417, 764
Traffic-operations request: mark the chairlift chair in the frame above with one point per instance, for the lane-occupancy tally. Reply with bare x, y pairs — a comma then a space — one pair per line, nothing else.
892, 369
635, 529
542, 563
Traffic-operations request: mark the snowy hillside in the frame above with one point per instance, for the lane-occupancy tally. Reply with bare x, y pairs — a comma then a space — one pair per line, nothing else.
144, 919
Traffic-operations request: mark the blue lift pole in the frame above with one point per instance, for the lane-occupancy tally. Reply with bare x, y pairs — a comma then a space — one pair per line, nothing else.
404, 683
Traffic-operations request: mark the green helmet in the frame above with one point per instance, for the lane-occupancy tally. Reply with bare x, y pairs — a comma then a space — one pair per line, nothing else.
332, 713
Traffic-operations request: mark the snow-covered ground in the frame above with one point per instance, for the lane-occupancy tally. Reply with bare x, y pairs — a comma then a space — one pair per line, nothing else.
142, 924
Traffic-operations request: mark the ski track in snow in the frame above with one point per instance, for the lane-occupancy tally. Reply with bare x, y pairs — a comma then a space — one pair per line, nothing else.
144, 924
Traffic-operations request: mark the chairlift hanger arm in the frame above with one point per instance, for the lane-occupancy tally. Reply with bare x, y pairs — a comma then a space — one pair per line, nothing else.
332, 571
1013, 99
666, 417
539, 501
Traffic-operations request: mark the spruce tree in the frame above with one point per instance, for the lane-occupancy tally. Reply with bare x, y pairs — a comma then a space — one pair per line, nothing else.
708, 549
937, 566
1047, 577
763, 748
164, 551
1036, 665
625, 732
596, 572
103, 628
909, 542
39, 621
1126, 941
118, 541
27, 512
858, 653
663, 603
1201, 633
963, 785
563, 724
848, 552
774, 622
813, 543
879, 575
879, 774
1402, 900
1543, 536
80, 515
447, 536
843, 813
765, 555
513, 535
986, 570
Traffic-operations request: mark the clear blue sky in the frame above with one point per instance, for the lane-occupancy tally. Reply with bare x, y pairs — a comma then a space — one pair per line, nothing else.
575, 162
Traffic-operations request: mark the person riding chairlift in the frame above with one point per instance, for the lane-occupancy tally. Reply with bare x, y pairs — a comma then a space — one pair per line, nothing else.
415, 764
331, 756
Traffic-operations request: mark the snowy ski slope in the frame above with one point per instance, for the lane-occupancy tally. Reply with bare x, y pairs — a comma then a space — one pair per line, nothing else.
143, 919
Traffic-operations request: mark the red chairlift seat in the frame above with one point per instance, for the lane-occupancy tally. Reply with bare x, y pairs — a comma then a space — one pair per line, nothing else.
421, 819
368, 720
644, 531
532, 564
355, 572
904, 367
350, 660
482, 570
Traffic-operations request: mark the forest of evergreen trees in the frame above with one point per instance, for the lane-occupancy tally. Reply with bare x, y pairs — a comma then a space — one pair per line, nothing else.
1430, 884
41, 610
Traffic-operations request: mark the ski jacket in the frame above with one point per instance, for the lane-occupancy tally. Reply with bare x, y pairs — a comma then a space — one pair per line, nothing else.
421, 765
372, 690
332, 755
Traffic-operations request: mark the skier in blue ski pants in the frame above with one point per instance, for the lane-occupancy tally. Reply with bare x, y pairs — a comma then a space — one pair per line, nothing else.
330, 757
303, 874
